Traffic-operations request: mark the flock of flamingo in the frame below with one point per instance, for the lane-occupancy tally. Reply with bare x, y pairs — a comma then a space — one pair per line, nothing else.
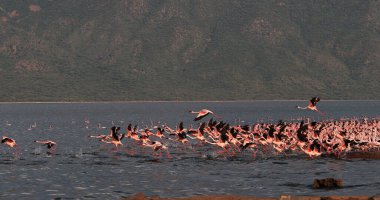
311, 138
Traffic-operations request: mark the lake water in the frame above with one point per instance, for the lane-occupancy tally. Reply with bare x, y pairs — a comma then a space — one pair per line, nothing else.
84, 168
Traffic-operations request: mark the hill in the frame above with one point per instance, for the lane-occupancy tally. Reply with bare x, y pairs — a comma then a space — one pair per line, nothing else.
108, 50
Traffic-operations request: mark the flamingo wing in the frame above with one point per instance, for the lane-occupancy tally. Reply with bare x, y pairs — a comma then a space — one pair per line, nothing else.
50, 145
180, 127
7, 140
200, 116
223, 133
314, 100
202, 127
114, 132
182, 135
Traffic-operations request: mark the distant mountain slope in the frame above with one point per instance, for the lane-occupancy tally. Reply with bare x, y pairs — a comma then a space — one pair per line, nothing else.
108, 50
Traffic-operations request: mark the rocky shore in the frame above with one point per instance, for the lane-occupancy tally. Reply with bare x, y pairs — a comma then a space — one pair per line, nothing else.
141, 196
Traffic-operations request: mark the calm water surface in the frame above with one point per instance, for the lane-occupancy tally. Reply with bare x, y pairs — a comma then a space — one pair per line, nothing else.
84, 168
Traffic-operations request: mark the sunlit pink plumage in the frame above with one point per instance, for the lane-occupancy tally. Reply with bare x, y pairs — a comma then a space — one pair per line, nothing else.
203, 113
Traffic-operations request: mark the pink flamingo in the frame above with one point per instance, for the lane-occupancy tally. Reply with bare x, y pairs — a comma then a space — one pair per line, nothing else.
203, 113
312, 105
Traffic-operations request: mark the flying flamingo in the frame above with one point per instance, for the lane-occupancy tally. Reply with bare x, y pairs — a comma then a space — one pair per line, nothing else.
11, 143
158, 146
105, 137
132, 132
199, 133
8, 141
116, 138
203, 113
49, 144
312, 105
160, 132
52, 146
223, 139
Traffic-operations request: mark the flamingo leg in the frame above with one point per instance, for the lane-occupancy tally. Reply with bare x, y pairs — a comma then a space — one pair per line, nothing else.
168, 154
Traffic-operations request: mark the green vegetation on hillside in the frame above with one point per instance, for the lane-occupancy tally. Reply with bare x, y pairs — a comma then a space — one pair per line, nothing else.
106, 50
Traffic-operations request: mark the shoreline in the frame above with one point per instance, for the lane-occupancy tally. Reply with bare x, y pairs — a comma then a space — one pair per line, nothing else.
141, 196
